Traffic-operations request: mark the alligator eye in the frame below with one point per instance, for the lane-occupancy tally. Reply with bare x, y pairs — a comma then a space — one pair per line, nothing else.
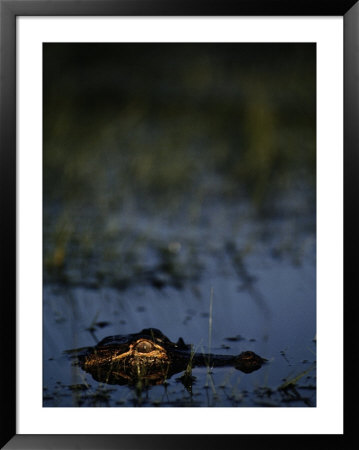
144, 347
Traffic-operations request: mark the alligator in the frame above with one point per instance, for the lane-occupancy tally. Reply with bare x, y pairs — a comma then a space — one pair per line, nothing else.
151, 357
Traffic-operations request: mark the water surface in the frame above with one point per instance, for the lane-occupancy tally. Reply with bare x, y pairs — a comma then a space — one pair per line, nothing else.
182, 200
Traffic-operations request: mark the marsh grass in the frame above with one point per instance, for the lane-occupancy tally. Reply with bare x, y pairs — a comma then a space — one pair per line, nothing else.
188, 371
209, 378
293, 381
210, 322
219, 124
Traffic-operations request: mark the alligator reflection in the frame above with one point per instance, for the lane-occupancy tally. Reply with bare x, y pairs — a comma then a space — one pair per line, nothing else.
151, 358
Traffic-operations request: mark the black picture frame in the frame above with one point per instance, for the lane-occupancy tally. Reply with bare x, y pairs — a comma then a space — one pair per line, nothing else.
9, 10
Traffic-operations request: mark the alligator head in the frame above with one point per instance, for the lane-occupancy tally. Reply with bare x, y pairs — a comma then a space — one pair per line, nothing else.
149, 356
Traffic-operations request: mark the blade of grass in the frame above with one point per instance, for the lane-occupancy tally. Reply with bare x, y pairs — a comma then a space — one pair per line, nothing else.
210, 324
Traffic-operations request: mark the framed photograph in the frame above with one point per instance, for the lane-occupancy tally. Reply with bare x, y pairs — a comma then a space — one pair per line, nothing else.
173, 187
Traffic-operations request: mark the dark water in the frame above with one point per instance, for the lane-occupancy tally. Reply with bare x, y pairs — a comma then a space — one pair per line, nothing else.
179, 193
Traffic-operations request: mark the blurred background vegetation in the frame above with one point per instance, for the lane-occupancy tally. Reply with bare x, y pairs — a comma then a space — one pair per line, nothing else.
140, 133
